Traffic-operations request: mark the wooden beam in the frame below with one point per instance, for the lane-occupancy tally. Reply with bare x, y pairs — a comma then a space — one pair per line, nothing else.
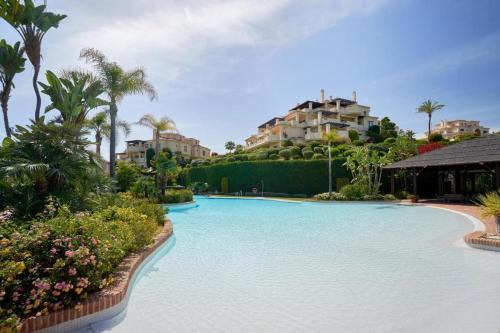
497, 175
415, 188
393, 190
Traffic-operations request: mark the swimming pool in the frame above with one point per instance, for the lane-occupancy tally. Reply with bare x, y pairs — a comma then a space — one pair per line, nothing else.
236, 265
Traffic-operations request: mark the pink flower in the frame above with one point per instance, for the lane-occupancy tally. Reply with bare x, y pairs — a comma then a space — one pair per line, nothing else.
69, 254
53, 250
72, 271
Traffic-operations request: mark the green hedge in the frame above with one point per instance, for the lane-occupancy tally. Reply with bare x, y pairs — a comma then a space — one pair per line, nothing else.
292, 177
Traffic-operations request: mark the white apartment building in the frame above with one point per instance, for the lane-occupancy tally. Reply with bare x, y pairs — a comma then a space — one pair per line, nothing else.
449, 129
189, 148
309, 120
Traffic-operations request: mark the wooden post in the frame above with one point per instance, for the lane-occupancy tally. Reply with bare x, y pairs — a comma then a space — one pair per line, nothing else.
415, 188
393, 190
497, 175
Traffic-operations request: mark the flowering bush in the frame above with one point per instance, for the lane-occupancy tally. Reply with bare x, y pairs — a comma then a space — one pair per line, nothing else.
58, 259
177, 196
422, 149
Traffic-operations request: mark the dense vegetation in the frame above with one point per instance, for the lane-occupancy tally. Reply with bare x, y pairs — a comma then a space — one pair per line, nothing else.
63, 228
282, 176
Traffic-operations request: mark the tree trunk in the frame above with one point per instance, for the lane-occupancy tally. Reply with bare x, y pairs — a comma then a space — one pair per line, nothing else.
4, 100
36, 67
329, 168
112, 139
159, 182
98, 141
429, 128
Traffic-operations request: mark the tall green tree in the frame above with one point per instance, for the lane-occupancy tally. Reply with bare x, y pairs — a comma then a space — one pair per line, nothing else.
32, 23
11, 63
330, 137
157, 125
74, 98
429, 107
388, 129
99, 124
117, 84
230, 146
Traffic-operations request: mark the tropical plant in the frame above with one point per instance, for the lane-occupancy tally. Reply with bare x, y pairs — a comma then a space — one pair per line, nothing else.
489, 204
74, 98
387, 129
365, 164
117, 84
353, 135
157, 125
47, 160
373, 133
32, 23
11, 63
166, 168
230, 146
330, 137
99, 124
429, 107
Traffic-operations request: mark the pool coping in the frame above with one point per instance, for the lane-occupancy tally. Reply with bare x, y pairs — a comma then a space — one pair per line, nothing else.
105, 303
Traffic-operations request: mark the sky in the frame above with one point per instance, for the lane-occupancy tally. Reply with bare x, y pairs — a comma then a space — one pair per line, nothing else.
221, 68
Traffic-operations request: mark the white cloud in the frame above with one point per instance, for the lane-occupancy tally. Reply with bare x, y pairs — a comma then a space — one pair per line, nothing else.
174, 37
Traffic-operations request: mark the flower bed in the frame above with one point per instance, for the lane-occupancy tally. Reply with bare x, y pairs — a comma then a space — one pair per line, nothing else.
56, 261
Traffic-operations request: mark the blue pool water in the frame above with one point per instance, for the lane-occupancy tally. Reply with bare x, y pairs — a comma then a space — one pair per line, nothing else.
238, 265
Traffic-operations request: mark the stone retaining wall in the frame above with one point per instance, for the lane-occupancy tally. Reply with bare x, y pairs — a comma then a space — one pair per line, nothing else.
114, 296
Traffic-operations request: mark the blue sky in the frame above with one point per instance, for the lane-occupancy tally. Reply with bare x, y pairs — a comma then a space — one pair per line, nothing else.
222, 68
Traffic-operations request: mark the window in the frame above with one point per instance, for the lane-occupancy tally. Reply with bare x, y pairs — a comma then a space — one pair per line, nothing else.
203, 153
371, 123
185, 149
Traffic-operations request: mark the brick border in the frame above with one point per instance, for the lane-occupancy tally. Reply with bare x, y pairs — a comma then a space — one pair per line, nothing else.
113, 295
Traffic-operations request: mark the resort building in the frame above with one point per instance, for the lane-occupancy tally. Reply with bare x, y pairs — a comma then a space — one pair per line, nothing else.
189, 148
309, 120
450, 129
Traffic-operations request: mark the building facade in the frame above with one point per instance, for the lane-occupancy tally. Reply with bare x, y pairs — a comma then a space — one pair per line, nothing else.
450, 129
309, 120
189, 148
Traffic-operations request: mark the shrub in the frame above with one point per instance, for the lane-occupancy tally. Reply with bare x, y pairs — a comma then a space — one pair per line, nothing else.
436, 137
231, 159
318, 150
306, 177
177, 196
389, 197
286, 143
358, 143
261, 155
144, 187
308, 154
59, 259
390, 141
273, 157
286, 154
296, 151
126, 175
353, 135
333, 196
402, 194
199, 187
318, 156
242, 157
353, 191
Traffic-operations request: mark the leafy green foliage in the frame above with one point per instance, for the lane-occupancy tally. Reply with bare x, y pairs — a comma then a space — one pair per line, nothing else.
177, 196
47, 160
374, 133
230, 146
353, 135
74, 97
292, 177
388, 129
59, 259
285, 154
126, 175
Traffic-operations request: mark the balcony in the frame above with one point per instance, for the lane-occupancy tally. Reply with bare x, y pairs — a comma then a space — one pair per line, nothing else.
263, 140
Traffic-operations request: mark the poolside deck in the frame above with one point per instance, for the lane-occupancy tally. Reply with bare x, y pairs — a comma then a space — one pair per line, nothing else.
477, 239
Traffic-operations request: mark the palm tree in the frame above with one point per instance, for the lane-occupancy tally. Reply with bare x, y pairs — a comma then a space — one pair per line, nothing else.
117, 84
74, 98
99, 124
11, 63
330, 137
429, 107
32, 23
157, 125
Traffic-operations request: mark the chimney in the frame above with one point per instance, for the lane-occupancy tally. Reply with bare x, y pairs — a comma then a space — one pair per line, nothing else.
354, 96
310, 105
338, 105
322, 95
